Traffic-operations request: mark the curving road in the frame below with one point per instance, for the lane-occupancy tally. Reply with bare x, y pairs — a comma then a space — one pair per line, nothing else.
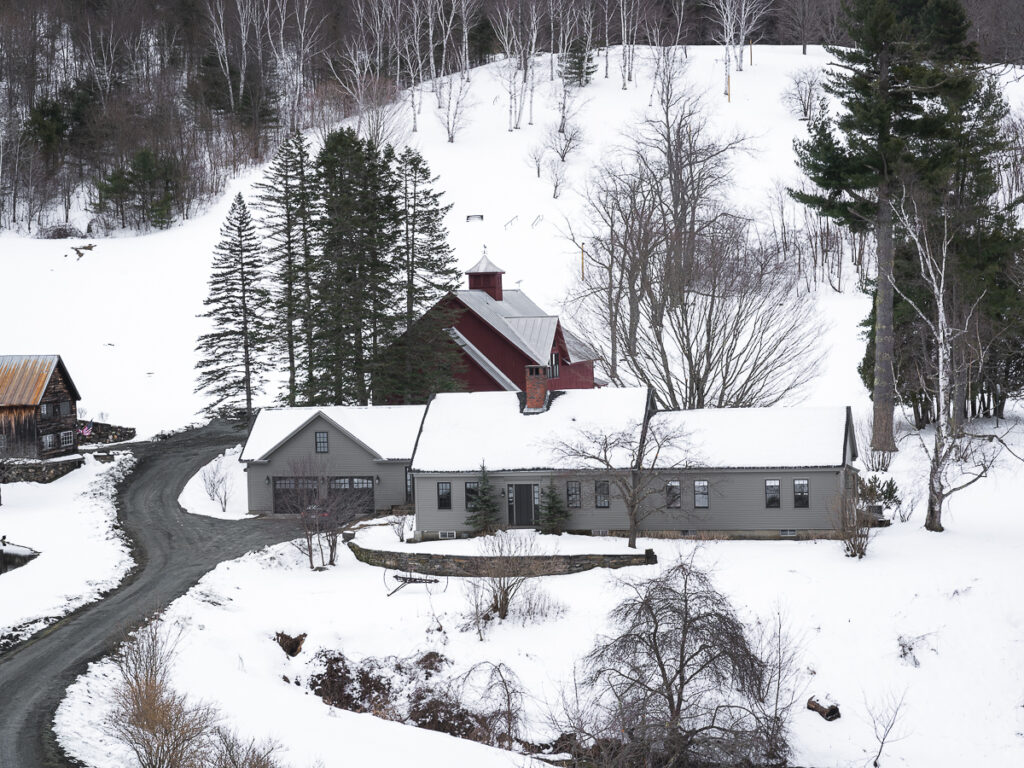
172, 549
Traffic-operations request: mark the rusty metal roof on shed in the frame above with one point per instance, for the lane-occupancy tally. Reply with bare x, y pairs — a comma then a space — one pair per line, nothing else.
23, 378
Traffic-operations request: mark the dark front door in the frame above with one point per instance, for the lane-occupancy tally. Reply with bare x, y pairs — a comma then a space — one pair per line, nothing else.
522, 506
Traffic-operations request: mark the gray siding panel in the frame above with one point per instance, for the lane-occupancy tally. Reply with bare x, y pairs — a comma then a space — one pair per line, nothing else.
737, 501
345, 458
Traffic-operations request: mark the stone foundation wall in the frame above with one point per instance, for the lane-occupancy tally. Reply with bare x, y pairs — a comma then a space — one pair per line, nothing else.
104, 433
39, 471
432, 564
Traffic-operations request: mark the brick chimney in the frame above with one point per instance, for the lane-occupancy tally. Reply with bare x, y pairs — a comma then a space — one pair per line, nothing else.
485, 276
536, 389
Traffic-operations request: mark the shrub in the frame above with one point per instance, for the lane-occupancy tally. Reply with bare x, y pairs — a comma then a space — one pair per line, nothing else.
483, 513
553, 512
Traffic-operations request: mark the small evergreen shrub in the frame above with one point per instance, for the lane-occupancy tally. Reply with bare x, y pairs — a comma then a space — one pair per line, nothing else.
553, 512
483, 512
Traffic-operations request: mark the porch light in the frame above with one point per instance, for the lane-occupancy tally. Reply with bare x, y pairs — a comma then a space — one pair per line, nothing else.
377, 478
266, 480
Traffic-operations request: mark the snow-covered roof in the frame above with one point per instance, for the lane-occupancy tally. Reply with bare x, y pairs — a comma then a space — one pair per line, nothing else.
481, 359
735, 438
464, 429
484, 266
388, 431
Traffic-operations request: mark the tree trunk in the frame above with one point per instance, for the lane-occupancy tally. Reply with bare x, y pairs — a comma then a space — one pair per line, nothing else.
884, 392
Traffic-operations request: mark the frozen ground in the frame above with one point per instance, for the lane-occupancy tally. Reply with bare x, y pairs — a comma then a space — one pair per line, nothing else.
195, 500
72, 523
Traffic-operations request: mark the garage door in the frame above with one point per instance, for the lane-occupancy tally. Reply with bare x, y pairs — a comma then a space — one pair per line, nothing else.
293, 495
350, 497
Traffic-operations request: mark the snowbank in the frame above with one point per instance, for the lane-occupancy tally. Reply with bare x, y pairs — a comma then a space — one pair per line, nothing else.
196, 501
72, 522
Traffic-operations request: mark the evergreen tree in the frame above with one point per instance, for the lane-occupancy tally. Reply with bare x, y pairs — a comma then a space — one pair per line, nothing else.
424, 359
234, 355
553, 512
287, 201
577, 66
357, 275
895, 68
483, 512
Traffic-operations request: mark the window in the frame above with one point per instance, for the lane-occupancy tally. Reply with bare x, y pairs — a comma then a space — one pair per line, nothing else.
700, 494
308, 484
408, 486
65, 407
601, 494
772, 495
472, 489
554, 365
573, 495
45, 410
599, 532
362, 483
444, 495
672, 497
284, 483
49, 441
321, 442
446, 534
339, 484
787, 533
801, 494
67, 439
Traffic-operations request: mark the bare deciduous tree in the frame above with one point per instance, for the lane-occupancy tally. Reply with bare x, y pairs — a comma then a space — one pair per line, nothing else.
506, 550
217, 482
453, 103
803, 94
885, 719
554, 170
564, 141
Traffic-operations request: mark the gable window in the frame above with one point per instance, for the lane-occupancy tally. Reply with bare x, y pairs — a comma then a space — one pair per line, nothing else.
472, 490
701, 500
672, 497
49, 441
65, 407
573, 495
444, 495
602, 495
555, 360
45, 410
320, 439
772, 494
67, 439
801, 494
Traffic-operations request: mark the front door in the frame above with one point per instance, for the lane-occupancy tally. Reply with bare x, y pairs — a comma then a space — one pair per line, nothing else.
521, 504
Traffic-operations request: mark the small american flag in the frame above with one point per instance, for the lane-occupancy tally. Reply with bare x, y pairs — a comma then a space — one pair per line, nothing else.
86, 430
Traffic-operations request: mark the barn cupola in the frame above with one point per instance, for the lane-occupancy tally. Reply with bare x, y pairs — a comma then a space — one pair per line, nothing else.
485, 276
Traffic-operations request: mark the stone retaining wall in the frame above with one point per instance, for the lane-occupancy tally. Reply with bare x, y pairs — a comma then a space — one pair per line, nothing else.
39, 471
432, 564
104, 433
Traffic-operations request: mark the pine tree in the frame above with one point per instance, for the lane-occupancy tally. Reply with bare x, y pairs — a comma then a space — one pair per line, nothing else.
577, 66
424, 359
553, 512
234, 355
884, 82
287, 202
357, 275
483, 513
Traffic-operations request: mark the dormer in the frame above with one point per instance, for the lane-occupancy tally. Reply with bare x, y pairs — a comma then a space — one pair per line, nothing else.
485, 276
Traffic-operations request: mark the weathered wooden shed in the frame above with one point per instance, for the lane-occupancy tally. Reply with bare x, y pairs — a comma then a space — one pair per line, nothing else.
38, 407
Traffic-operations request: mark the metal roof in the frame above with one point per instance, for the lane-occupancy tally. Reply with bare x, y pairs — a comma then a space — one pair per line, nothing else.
484, 266
537, 332
497, 314
481, 359
23, 378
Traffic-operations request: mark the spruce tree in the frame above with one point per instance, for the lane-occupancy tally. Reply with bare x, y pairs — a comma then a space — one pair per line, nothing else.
885, 81
357, 276
553, 512
233, 356
424, 359
483, 512
577, 66
287, 202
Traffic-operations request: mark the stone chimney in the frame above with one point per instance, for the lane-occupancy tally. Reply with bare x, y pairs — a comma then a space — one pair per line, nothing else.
485, 276
536, 389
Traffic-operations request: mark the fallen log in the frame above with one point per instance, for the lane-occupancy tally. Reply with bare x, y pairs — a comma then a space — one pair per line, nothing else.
830, 713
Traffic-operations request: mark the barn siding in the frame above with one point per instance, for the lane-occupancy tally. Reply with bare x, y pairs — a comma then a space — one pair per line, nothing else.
737, 501
345, 458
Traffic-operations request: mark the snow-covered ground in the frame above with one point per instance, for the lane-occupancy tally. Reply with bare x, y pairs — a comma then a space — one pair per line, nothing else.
195, 500
72, 523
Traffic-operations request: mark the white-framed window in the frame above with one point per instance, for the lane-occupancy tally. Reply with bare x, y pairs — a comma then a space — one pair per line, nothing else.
67, 439
49, 442
788, 533
446, 534
599, 532
701, 499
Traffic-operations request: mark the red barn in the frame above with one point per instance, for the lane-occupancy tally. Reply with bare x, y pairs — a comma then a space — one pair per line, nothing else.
501, 332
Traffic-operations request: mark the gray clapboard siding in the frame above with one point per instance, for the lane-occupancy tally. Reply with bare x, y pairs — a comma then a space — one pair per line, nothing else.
345, 458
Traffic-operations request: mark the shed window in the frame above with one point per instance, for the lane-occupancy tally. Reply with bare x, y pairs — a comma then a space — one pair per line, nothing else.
472, 489
701, 500
321, 442
444, 495
601, 494
67, 439
801, 494
45, 410
65, 407
49, 441
772, 495
573, 494
672, 498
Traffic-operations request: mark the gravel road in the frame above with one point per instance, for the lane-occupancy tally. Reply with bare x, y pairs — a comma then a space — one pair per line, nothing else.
173, 550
